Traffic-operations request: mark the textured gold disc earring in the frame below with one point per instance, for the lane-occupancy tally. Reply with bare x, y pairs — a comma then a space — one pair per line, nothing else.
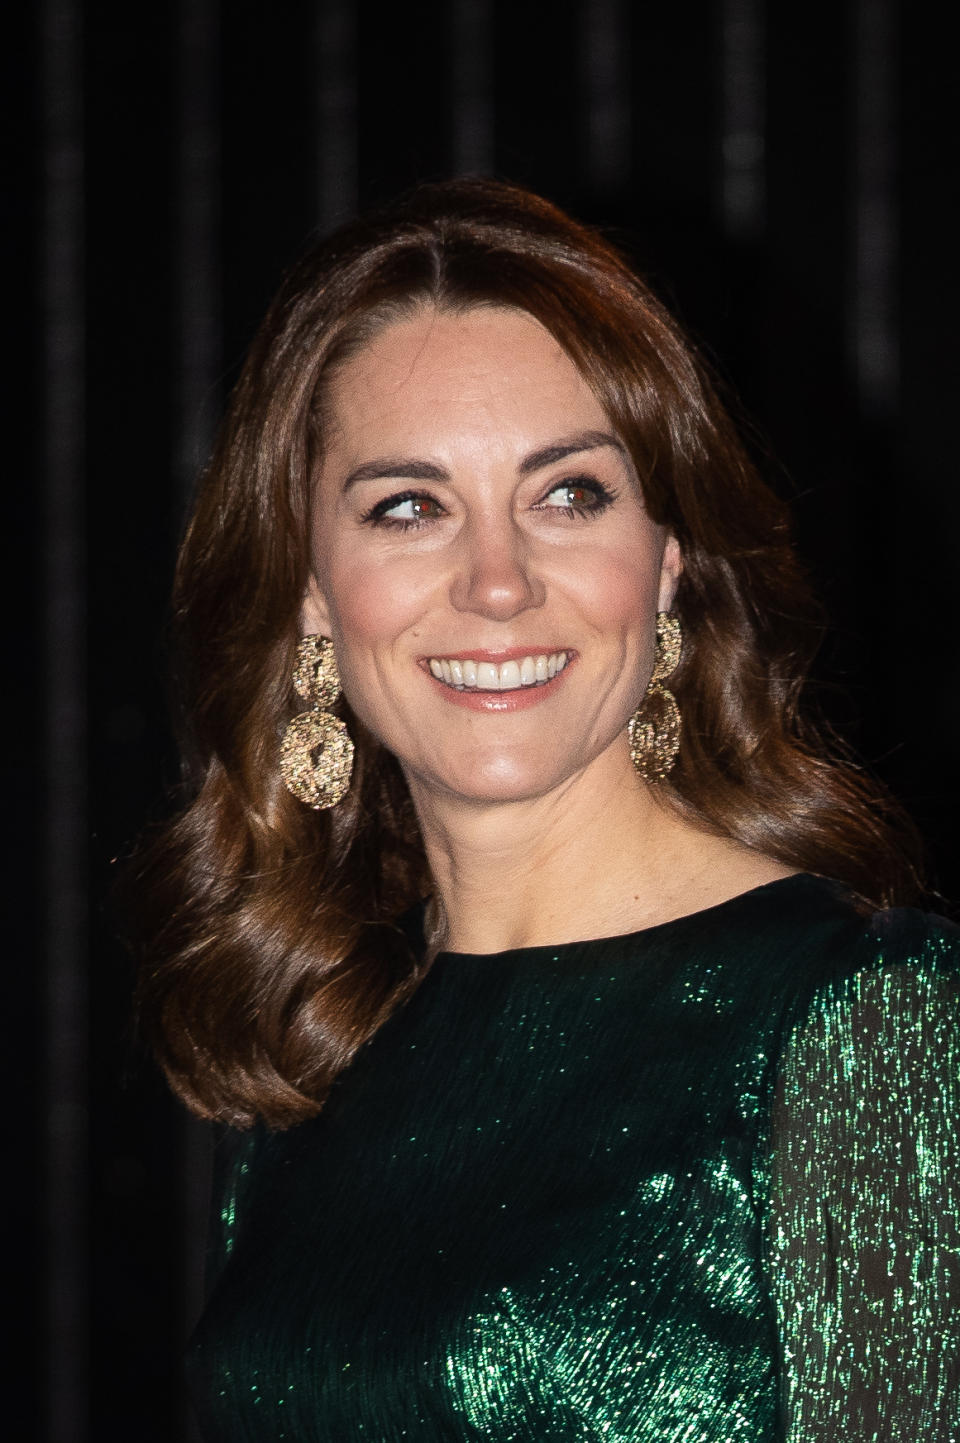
654, 727
316, 754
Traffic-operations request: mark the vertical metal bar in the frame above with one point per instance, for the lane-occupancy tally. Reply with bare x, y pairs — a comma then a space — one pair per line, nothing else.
198, 312
743, 199
337, 157
198, 350
873, 320
66, 1386
471, 62
605, 79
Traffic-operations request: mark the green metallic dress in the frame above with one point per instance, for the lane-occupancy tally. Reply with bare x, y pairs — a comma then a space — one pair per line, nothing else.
693, 1185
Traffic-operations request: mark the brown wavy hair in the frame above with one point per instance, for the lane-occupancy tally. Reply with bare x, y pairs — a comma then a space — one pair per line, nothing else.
268, 932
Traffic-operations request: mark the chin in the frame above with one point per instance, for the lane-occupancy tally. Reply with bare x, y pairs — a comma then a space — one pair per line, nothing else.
499, 780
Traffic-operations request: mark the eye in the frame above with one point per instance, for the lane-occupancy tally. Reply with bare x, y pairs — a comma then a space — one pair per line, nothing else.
411, 508
581, 496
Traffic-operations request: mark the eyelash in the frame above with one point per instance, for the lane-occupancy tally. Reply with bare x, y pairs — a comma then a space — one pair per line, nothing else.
377, 514
604, 498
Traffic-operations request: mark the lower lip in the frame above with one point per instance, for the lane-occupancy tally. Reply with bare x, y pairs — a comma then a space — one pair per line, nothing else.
519, 698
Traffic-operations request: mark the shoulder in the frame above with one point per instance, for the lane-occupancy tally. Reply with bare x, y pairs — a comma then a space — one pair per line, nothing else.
839, 934
888, 989
908, 983
234, 1157
907, 936
807, 942
907, 947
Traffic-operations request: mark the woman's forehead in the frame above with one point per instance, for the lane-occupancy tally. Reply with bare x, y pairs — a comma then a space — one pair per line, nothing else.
489, 369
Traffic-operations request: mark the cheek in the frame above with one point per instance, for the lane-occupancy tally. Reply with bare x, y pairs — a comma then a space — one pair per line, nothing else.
620, 587
371, 603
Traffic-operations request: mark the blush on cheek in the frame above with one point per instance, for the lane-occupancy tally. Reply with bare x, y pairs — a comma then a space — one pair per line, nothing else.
619, 590
378, 602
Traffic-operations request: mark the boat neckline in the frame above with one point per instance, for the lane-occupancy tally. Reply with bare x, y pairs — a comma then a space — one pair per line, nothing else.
702, 914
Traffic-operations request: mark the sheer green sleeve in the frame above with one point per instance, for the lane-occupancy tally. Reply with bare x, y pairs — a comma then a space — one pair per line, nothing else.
865, 1223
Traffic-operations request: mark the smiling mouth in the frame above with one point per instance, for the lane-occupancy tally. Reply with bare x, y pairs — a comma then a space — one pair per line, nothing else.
522, 672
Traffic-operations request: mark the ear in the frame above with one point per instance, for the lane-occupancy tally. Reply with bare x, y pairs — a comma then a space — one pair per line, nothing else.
670, 569
314, 612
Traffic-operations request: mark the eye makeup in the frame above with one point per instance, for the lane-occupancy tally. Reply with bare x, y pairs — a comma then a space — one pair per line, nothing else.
423, 509
587, 498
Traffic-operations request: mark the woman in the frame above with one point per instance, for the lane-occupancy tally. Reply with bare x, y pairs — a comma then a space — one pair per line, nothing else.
693, 1178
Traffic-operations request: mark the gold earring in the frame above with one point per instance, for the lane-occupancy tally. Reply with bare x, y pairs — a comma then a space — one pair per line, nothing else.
654, 727
316, 754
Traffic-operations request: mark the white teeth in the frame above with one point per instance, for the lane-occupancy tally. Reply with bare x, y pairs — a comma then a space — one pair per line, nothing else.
508, 676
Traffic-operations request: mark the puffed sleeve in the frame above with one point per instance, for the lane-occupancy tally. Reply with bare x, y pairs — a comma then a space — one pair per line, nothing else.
865, 1219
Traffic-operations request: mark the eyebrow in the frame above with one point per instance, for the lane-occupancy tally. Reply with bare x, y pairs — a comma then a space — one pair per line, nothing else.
582, 441
411, 470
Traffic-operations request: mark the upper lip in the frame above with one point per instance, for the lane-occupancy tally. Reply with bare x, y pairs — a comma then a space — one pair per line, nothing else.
508, 653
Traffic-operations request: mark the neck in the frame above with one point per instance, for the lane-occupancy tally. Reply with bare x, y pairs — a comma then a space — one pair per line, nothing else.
595, 858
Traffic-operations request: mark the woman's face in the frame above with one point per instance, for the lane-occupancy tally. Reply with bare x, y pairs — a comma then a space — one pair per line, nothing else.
482, 557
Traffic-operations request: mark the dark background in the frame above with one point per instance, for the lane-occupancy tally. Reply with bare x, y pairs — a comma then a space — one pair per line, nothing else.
784, 175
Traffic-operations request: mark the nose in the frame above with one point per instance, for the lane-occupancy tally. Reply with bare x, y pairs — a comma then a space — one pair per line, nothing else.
495, 577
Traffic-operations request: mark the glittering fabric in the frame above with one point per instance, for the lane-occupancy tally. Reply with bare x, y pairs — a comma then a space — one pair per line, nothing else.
701, 1183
